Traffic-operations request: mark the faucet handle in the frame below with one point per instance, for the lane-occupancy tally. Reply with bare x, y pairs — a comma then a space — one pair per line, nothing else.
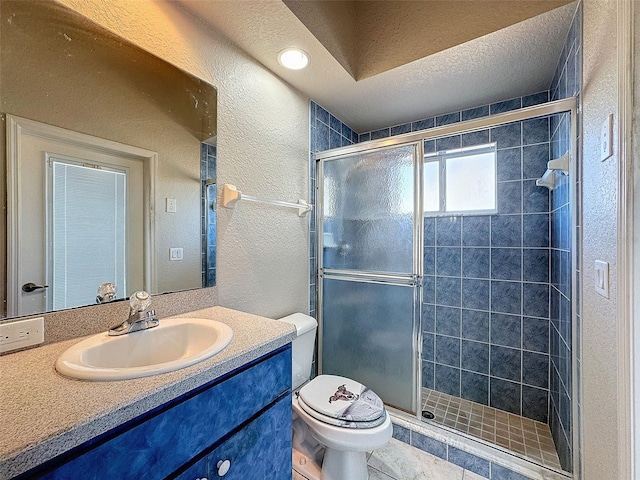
139, 317
106, 292
140, 301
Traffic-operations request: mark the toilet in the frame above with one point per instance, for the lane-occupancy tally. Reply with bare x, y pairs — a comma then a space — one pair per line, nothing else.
336, 419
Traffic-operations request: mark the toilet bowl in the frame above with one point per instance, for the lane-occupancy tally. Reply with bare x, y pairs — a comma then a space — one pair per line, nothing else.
346, 445
345, 418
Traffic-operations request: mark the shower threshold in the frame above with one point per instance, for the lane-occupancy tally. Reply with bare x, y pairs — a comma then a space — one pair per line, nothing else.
521, 435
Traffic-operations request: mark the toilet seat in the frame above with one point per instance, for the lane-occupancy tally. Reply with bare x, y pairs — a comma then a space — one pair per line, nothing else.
340, 423
347, 439
341, 402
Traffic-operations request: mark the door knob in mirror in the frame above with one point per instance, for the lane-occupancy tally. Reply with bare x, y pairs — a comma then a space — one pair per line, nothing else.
32, 287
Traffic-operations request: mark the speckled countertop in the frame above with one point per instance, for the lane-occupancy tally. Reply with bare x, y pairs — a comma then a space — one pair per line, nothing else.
44, 414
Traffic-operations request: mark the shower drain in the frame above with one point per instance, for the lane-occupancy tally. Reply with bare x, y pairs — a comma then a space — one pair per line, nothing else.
428, 415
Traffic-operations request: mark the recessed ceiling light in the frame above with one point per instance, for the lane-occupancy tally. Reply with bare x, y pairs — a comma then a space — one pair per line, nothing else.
293, 58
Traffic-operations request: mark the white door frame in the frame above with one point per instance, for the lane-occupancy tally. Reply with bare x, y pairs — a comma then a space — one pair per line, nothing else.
628, 252
18, 126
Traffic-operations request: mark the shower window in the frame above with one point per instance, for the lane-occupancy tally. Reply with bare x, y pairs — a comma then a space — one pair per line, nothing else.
460, 181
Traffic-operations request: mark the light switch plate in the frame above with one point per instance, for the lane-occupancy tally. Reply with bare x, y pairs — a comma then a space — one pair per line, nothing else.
606, 140
172, 205
175, 254
601, 278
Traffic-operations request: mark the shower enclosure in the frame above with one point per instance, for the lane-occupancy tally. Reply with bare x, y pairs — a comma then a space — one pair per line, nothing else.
446, 273
208, 188
367, 280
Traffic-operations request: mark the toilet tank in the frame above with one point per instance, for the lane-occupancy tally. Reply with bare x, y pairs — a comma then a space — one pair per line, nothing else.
301, 347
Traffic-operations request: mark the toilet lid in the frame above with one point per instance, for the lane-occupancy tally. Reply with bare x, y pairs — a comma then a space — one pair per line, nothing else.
340, 423
342, 398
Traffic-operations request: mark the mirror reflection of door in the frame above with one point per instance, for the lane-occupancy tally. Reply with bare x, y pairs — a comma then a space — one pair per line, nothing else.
80, 222
88, 221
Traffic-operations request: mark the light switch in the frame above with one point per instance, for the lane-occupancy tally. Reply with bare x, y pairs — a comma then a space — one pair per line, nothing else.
601, 278
171, 205
175, 254
606, 134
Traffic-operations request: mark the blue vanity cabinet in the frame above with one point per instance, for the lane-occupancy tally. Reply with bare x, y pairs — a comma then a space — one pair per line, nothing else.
251, 453
244, 416
199, 470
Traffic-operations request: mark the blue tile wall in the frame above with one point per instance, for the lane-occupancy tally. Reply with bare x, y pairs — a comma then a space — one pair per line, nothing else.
566, 83
481, 466
469, 461
490, 275
208, 162
485, 272
328, 131
505, 135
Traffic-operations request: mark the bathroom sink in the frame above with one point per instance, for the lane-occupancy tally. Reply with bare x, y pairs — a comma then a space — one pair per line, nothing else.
175, 343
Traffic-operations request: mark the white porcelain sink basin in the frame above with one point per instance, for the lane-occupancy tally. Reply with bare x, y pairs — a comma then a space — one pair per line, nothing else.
175, 343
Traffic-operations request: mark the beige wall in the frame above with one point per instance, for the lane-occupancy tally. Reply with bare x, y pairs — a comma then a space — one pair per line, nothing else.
600, 352
263, 128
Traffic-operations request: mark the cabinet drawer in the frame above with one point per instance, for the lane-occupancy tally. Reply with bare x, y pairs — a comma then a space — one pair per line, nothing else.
185, 427
260, 451
196, 471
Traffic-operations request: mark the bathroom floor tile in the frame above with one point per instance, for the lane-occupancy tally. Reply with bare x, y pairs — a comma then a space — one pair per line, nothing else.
403, 462
521, 435
377, 475
399, 461
468, 475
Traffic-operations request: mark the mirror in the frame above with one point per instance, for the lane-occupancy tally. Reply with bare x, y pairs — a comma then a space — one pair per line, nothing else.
73, 96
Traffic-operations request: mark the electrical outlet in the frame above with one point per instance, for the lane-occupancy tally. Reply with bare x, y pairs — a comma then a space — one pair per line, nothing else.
22, 333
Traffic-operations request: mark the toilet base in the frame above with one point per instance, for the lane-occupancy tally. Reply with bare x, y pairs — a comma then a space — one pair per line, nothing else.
337, 465
306, 466
340, 464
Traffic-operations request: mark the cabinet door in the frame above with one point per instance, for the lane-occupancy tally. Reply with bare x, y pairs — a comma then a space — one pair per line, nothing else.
260, 451
197, 471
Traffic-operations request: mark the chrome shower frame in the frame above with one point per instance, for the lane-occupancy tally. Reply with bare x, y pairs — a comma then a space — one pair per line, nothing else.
569, 105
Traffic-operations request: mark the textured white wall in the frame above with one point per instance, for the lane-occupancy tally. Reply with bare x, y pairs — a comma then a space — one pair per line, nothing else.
263, 125
599, 341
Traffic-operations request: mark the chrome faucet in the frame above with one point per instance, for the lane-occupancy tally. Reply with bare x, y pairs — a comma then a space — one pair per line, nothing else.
106, 292
139, 317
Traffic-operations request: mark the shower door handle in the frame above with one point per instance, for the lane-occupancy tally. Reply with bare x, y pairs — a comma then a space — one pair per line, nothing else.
32, 287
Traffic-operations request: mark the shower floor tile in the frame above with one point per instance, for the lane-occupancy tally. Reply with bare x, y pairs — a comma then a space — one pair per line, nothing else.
518, 434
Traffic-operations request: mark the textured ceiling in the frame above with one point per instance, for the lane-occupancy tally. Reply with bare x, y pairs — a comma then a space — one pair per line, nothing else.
370, 37
506, 63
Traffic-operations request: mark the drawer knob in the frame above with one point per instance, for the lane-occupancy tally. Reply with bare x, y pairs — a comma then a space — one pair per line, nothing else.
223, 467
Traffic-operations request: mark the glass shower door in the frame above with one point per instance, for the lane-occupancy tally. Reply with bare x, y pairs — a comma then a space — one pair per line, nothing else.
369, 271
